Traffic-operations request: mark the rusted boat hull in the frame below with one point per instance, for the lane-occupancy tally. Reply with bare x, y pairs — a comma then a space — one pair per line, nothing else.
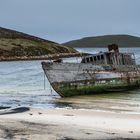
70, 79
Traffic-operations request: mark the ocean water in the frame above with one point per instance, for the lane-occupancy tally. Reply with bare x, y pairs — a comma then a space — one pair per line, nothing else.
22, 84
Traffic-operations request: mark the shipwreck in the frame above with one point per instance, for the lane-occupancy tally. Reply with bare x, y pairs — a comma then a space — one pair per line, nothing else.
109, 71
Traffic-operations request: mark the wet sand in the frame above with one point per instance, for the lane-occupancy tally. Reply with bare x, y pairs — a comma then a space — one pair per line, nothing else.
68, 124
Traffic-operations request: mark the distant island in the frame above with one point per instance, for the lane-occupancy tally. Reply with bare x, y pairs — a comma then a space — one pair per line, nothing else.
20, 46
104, 41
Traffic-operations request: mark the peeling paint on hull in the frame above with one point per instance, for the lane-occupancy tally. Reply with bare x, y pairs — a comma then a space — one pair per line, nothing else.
66, 90
70, 79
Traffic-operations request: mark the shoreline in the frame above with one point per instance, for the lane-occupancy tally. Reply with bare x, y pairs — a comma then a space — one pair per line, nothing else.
66, 124
44, 57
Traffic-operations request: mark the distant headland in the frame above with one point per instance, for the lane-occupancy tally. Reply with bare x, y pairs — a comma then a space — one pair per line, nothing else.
104, 41
16, 45
20, 46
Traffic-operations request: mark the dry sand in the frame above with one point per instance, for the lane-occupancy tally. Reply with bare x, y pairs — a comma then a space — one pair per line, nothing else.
67, 124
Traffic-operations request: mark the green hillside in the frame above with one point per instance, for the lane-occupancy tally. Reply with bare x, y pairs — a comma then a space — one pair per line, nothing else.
17, 44
103, 41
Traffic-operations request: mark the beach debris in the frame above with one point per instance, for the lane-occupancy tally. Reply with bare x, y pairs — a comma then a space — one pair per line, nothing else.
130, 131
68, 115
88, 133
14, 110
39, 113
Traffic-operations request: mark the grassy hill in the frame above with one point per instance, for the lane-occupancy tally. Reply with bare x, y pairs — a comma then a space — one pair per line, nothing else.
17, 44
103, 41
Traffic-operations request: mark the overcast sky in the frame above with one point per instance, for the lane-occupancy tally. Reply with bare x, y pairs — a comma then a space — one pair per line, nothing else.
64, 20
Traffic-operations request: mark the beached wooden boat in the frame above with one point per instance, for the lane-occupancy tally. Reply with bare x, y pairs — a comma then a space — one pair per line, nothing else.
103, 72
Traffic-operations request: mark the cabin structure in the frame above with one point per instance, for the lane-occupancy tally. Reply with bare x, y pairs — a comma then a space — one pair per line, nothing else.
112, 57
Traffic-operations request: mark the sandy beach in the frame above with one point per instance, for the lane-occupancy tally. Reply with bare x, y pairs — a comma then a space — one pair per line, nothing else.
67, 124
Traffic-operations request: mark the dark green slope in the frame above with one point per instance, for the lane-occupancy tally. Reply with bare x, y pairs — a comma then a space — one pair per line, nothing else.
103, 41
13, 43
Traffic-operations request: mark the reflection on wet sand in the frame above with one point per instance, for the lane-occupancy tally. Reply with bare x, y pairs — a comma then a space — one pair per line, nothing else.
117, 102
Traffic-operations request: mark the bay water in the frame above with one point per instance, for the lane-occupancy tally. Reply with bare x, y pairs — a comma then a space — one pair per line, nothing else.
22, 84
